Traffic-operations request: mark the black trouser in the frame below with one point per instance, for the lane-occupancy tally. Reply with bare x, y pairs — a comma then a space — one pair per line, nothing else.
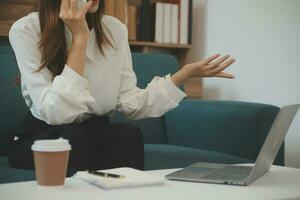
96, 144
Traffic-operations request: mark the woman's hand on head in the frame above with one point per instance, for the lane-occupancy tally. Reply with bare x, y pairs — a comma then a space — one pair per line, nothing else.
213, 66
75, 18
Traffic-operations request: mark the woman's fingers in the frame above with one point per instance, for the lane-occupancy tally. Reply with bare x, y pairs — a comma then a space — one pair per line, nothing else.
224, 75
217, 63
205, 62
210, 59
69, 10
227, 63
222, 67
64, 6
86, 7
73, 6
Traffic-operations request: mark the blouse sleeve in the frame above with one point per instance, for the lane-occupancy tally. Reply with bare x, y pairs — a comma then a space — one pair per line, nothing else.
56, 101
160, 96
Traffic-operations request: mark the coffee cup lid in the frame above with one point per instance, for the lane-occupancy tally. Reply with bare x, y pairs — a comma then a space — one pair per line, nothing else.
51, 145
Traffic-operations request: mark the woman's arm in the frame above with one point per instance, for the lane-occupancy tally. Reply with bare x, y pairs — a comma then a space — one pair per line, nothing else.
56, 101
76, 22
62, 99
162, 94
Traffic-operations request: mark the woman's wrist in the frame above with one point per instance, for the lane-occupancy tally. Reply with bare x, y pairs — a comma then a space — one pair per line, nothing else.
181, 76
77, 54
80, 40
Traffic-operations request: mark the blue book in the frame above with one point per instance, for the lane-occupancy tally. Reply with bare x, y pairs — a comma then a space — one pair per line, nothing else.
145, 22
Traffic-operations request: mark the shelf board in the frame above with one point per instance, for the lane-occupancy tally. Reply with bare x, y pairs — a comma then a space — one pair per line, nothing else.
5, 26
159, 45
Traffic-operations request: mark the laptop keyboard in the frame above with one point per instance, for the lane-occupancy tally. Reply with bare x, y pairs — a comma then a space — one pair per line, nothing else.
230, 173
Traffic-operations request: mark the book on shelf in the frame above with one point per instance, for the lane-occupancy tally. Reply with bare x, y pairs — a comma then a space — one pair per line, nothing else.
131, 24
183, 20
167, 23
121, 10
161, 21
118, 9
110, 7
145, 20
174, 23
157, 26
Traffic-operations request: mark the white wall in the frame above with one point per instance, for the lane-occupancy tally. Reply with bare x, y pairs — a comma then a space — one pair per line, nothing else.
264, 37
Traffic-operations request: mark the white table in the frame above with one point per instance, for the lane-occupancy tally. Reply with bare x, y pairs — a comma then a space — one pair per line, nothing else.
279, 183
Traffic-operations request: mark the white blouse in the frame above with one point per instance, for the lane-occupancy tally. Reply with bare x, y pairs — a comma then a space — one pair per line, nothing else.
108, 83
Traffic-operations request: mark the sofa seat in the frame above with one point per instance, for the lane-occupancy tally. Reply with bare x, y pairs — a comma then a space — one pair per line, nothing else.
163, 156
4, 161
10, 175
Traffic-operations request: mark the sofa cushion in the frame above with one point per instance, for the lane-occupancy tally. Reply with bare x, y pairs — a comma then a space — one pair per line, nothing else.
13, 108
147, 66
6, 49
235, 128
10, 175
171, 156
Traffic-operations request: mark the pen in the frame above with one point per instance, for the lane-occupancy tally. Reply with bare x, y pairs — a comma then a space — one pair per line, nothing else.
105, 175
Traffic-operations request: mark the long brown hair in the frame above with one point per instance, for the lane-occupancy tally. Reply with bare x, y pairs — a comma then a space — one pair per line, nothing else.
53, 45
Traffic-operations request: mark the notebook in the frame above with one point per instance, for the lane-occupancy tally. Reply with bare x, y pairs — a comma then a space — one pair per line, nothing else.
133, 178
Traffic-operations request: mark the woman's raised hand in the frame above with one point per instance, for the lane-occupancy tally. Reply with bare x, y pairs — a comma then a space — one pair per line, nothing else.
213, 66
74, 18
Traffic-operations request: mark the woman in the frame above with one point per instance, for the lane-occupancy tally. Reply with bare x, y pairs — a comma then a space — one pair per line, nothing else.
76, 69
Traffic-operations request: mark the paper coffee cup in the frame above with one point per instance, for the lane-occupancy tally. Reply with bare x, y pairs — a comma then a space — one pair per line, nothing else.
51, 161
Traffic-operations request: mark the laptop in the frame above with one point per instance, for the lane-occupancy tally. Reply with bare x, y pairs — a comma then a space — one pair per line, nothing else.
239, 174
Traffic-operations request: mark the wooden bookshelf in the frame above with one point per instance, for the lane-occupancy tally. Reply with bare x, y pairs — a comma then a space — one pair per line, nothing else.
193, 87
4, 27
178, 50
12, 10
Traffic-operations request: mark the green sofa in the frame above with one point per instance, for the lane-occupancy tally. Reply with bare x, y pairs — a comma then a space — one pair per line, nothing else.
198, 130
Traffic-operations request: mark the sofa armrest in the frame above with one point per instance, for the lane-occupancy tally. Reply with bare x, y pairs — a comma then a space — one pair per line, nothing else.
235, 128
